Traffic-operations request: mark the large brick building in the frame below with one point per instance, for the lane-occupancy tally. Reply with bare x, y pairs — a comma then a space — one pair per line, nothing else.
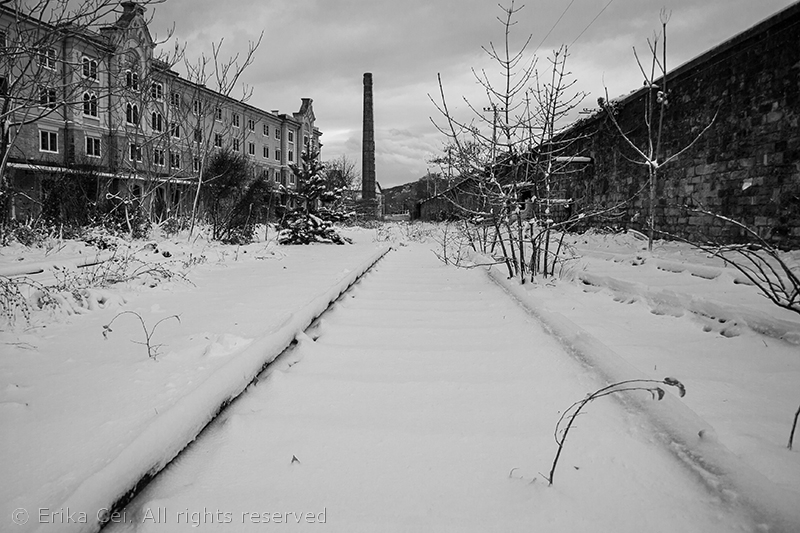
745, 166
84, 98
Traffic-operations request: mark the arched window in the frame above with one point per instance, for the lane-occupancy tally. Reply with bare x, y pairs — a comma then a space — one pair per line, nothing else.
89, 104
132, 113
157, 121
90, 68
132, 80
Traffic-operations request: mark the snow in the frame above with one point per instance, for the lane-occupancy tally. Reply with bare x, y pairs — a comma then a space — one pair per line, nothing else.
682, 431
409, 405
426, 403
85, 417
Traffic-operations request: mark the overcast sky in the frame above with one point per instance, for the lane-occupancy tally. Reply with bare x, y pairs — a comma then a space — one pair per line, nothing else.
320, 49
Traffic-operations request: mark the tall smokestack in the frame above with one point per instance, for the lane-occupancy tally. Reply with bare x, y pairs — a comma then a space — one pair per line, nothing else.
368, 144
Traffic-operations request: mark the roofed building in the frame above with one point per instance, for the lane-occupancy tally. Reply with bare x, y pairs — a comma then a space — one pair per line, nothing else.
84, 101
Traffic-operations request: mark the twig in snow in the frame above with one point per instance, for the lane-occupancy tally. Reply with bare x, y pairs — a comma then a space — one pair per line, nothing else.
794, 427
152, 349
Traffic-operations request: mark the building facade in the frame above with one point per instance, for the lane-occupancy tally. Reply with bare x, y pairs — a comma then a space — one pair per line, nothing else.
81, 99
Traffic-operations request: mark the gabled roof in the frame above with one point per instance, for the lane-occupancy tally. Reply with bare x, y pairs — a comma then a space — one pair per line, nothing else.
132, 18
306, 110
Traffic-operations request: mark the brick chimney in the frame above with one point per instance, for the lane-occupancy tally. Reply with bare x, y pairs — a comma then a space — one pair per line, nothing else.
368, 144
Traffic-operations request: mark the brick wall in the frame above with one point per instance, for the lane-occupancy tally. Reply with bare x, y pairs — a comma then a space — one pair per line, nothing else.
746, 166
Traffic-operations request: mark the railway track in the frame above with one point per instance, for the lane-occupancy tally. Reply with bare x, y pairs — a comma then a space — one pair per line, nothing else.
423, 399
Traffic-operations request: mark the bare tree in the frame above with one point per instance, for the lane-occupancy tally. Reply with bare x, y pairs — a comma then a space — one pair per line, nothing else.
650, 152
553, 104
510, 150
487, 147
225, 76
140, 111
342, 172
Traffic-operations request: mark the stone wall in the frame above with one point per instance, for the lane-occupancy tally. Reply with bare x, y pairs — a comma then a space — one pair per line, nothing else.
746, 166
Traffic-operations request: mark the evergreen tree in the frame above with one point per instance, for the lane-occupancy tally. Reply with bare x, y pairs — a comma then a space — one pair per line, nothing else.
311, 221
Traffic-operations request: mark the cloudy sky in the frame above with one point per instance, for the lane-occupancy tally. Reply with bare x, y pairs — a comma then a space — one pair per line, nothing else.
320, 49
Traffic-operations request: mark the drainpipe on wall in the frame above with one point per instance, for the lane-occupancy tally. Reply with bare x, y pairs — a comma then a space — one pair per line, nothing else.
64, 98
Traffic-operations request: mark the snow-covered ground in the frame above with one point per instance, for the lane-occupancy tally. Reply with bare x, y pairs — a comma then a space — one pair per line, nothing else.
75, 397
676, 311
72, 401
425, 401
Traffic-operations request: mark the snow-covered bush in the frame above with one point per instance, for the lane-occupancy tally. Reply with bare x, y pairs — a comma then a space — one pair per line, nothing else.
101, 238
298, 228
14, 303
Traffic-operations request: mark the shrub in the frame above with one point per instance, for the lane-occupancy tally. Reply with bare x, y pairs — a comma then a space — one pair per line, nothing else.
298, 228
234, 201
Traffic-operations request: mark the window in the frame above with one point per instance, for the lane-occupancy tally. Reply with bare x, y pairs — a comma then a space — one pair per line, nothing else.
277, 155
218, 114
47, 58
157, 121
266, 130
291, 155
174, 159
277, 133
90, 104
48, 141
236, 145
175, 99
266, 152
175, 130
92, 147
291, 178
277, 177
132, 113
198, 135
89, 68
158, 157
196, 164
291, 136
197, 107
235, 120
47, 97
218, 140
3, 86
251, 148
251, 124
3, 39
157, 91
132, 80
135, 152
